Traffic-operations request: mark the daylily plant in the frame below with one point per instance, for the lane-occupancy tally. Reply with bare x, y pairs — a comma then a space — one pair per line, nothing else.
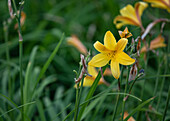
131, 15
158, 42
164, 4
111, 51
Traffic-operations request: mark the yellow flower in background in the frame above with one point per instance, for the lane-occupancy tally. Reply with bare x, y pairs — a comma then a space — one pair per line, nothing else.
23, 17
125, 33
158, 42
111, 51
74, 41
126, 115
131, 15
88, 80
164, 4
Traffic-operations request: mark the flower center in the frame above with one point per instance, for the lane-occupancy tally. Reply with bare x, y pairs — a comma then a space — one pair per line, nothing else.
111, 54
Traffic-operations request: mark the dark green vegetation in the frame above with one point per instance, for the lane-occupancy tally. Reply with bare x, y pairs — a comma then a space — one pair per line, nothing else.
48, 63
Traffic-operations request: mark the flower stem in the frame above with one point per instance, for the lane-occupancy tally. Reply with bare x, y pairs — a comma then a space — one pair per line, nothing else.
123, 105
166, 107
117, 100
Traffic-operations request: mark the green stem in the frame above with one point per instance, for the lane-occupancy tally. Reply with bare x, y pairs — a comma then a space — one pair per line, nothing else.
123, 105
21, 79
162, 85
116, 105
166, 107
76, 104
15, 8
8, 60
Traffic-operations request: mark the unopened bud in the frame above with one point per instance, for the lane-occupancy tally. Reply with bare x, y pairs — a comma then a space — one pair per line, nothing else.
141, 73
133, 72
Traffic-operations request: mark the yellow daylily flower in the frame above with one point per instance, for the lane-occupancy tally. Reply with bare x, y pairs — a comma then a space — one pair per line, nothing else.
111, 51
158, 42
74, 41
88, 80
125, 33
164, 4
131, 15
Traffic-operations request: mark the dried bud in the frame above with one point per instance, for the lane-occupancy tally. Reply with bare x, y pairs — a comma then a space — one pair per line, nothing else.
133, 72
138, 47
10, 9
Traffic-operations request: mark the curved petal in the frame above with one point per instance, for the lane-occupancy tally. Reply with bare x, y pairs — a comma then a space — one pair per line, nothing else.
99, 60
125, 20
115, 69
100, 47
129, 12
122, 44
124, 59
140, 7
92, 71
109, 41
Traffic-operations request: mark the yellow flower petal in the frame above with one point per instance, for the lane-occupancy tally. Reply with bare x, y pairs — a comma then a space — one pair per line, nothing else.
124, 21
122, 44
92, 71
124, 59
164, 4
99, 60
115, 69
100, 47
109, 41
140, 7
88, 81
129, 12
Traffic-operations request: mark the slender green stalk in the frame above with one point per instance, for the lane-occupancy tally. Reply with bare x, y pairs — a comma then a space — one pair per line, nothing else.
76, 104
123, 105
166, 107
162, 86
15, 8
21, 78
79, 98
5, 27
116, 105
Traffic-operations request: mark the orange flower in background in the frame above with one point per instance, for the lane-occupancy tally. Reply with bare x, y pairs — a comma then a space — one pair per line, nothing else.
88, 80
131, 15
164, 4
74, 41
125, 33
23, 17
126, 114
111, 51
158, 42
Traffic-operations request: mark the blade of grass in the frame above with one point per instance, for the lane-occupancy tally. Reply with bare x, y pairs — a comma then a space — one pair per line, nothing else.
40, 110
28, 75
138, 108
43, 70
90, 94
167, 103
